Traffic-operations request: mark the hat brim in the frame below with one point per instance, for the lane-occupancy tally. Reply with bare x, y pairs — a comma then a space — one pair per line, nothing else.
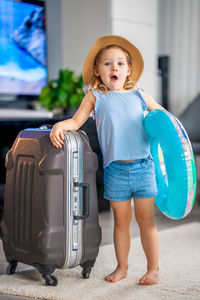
137, 60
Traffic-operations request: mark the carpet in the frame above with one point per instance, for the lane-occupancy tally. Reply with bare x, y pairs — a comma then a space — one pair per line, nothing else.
179, 273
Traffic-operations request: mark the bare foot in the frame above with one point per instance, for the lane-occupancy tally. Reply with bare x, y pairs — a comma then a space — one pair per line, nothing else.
117, 275
151, 277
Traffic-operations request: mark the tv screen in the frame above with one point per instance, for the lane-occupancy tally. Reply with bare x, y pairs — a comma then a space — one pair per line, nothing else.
23, 59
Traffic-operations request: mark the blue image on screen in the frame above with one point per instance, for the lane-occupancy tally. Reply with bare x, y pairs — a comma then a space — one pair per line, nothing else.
23, 66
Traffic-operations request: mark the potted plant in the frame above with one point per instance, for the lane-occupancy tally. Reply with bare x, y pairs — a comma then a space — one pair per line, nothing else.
65, 92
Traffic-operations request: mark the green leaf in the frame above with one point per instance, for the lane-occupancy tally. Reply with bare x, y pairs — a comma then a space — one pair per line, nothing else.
62, 98
75, 100
64, 91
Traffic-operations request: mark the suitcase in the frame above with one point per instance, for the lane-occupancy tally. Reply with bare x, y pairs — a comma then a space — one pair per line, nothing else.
50, 215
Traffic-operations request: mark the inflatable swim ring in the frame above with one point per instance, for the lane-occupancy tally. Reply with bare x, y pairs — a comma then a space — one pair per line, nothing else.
174, 163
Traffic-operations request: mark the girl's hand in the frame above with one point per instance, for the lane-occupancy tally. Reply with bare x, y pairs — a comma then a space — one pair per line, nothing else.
57, 134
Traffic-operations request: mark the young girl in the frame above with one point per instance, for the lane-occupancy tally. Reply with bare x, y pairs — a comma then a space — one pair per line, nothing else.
111, 69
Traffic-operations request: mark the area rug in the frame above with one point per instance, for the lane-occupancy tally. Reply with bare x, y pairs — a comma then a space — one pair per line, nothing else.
179, 273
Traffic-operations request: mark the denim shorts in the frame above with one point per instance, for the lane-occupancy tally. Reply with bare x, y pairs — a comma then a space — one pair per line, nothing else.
126, 180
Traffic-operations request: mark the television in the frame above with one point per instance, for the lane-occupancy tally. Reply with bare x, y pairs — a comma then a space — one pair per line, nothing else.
23, 55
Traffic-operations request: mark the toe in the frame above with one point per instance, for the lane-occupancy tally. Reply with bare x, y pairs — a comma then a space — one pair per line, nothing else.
142, 280
111, 280
108, 278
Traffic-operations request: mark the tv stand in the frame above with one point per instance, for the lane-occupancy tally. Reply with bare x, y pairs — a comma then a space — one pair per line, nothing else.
24, 114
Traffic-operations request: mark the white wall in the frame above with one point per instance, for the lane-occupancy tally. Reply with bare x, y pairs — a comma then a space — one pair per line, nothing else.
164, 27
179, 37
137, 21
54, 37
73, 26
82, 23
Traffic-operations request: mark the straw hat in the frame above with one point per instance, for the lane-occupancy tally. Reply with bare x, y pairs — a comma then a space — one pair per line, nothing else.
137, 60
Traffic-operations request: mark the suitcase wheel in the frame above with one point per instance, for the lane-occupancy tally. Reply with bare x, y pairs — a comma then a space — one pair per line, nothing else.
11, 268
86, 273
50, 280
87, 267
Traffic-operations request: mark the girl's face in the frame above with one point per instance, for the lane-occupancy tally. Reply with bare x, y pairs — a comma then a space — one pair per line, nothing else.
113, 68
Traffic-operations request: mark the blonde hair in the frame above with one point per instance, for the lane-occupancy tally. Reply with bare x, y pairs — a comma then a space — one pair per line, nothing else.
98, 84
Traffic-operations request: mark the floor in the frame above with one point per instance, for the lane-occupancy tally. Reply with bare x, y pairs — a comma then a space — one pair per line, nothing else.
106, 222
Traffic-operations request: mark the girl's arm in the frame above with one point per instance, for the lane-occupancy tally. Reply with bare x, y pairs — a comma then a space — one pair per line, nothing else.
80, 117
151, 103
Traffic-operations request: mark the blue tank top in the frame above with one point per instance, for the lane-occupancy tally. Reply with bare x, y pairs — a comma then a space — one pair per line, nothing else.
119, 116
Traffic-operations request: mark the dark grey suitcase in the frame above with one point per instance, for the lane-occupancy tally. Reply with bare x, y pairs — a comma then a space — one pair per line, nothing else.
50, 211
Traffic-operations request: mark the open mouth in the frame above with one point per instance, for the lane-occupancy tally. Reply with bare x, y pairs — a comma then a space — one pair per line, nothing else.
114, 77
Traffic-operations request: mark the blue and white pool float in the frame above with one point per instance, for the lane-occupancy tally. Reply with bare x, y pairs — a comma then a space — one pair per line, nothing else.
174, 163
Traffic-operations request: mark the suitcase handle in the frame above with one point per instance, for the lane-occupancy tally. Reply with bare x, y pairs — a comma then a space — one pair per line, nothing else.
86, 193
